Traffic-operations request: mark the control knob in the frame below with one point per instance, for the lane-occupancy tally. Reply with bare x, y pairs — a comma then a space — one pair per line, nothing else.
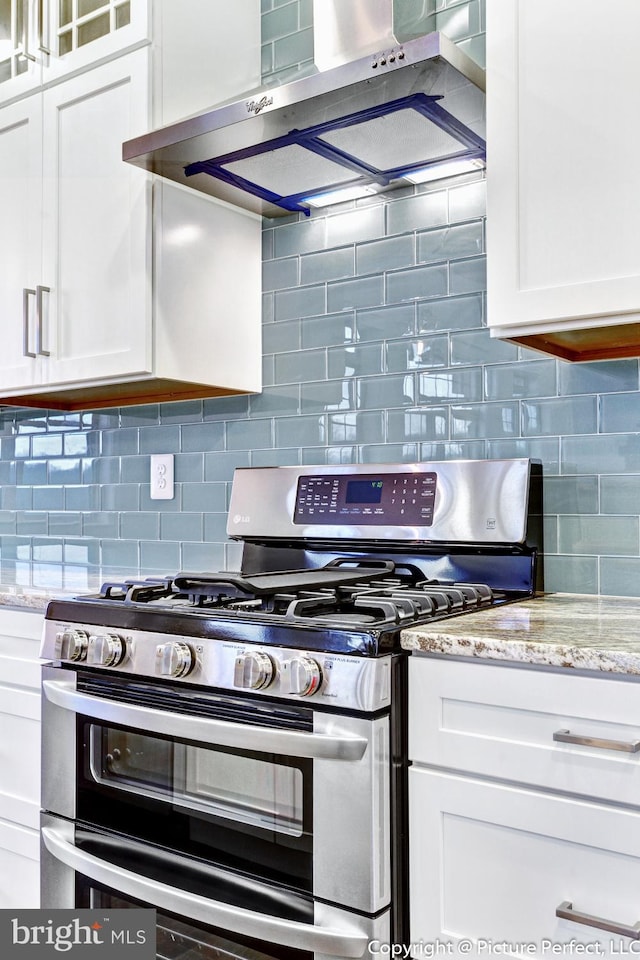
174, 659
253, 671
106, 650
72, 645
305, 676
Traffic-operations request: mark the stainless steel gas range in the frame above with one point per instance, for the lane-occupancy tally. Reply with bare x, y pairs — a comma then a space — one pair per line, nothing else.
230, 748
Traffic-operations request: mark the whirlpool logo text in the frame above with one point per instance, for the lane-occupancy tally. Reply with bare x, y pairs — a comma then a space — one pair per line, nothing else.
31, 934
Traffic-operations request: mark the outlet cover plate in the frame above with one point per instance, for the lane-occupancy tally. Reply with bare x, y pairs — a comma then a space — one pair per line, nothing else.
161, 476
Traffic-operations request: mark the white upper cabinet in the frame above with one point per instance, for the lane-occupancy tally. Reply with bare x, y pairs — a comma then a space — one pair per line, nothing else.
123, 288
563, 86
44, 40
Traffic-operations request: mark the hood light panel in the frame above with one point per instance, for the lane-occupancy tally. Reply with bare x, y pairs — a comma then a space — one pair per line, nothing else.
440, 170
359, 152
327, 199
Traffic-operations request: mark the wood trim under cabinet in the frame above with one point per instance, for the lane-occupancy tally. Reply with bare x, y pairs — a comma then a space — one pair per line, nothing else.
118, 395
600, 343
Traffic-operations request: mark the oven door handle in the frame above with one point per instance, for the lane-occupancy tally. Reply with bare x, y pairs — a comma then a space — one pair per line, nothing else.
290, 933
292, 743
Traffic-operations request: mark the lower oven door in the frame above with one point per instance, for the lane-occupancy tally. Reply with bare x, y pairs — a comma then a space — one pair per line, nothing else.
293, 796
198, 906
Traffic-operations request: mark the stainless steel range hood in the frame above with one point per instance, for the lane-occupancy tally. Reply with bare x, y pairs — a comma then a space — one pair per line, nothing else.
369, 124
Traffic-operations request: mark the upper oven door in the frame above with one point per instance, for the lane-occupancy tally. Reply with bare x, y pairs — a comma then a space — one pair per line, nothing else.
280, 792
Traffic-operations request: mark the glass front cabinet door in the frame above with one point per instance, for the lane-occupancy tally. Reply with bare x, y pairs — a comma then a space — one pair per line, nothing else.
43, 40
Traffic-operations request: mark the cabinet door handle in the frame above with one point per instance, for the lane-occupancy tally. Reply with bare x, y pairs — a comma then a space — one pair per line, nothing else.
25, 31
565, 736
39, 348
566, 912
26, 293
42, 47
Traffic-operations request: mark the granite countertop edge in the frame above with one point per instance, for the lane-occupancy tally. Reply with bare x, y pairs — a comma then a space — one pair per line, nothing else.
572, 631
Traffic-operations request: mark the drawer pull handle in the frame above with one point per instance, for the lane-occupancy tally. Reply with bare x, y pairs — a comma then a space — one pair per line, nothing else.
565, 736
566, 912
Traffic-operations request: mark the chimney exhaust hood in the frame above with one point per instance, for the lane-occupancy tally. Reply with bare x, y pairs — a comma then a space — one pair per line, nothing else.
390, 117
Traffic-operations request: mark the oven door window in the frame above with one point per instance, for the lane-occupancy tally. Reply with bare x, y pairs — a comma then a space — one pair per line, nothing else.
178, 938
242, 809
246, 790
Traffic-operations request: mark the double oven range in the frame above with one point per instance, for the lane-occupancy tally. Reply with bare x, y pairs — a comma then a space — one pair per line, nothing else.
230, 748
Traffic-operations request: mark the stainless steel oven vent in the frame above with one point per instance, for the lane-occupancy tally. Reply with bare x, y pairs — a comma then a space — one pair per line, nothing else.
406, 112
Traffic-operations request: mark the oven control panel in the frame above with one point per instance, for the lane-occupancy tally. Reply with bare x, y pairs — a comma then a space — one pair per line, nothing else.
337, 680
367, 498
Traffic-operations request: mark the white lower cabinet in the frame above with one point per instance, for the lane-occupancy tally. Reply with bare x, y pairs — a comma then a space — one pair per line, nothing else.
509, 826
19, 758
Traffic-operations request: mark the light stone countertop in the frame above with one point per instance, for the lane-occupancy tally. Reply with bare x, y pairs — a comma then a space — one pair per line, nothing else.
554, 629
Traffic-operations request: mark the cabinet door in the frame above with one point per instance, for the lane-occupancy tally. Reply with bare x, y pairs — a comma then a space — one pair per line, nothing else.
20, 203
494, 862
20, 59
83, 33
97, 218
563, 207
19, 867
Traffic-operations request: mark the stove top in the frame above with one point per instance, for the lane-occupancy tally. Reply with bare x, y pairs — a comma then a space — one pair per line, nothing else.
336, 561
362, 600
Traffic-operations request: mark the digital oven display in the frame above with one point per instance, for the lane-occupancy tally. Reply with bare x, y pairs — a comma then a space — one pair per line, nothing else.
364, 491
396, 499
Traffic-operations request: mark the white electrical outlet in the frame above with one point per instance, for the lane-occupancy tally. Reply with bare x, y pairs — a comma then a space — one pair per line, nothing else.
161, 478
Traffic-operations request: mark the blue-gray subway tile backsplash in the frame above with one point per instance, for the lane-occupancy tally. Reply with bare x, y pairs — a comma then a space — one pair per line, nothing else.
599, 535
467, 276
330, 330
140, 526
354, 294
620, 495
276, 401
564, 415
382, 255
450, 243
521, 380
620, 576
474, 346
603, 377
417, 212
300, 302
451, 313
571, 495
386, 322
327, 265
301, 367
417, 283
375, 350
417, 353
283, 336
620, 412
468, 201
413, 424
572, 574
359, 360
617, 453
279, 274
485, 420
249, 434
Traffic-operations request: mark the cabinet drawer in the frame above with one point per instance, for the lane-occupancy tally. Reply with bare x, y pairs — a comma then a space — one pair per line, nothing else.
500, 721
494, 862
20, 769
